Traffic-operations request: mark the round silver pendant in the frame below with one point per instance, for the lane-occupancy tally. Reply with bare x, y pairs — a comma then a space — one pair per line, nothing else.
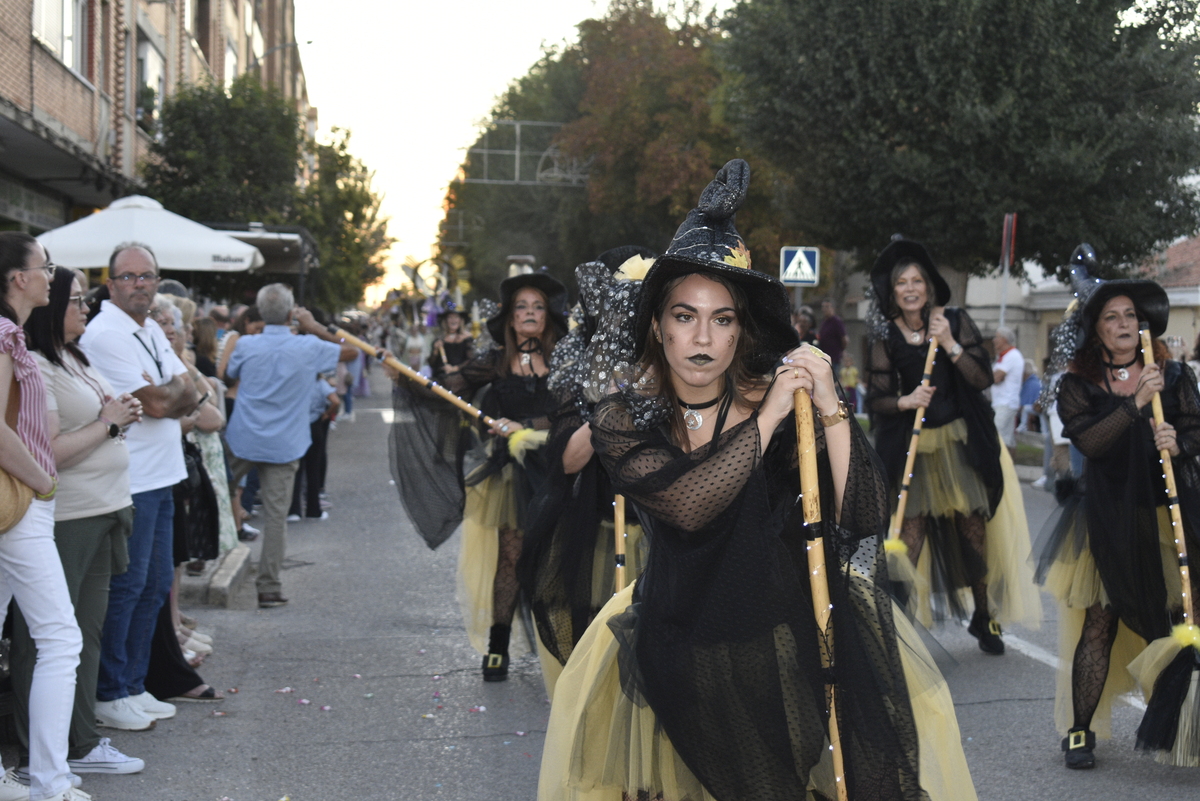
916, 337
1122, 374
692, 419
526, 358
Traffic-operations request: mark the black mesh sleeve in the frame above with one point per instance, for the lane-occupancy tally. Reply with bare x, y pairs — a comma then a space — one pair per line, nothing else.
476, 373
883, 382
1093, 431
685, 490
974, 365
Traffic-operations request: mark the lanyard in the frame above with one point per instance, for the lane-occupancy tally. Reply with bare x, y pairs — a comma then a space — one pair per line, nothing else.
153, 355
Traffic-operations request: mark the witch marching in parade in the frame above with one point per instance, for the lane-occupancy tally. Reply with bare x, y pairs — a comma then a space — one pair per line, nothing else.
569, 561
1114, 554
959, 518
708, 677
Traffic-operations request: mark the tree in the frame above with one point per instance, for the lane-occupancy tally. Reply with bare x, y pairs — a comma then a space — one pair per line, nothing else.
226, 156
934, 118
234, 157
636, 96
341, 211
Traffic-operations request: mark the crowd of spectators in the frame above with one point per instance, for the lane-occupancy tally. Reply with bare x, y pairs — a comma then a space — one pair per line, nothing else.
136, 434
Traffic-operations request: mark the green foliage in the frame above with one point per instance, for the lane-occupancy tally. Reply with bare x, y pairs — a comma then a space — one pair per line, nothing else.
234, 157
635, 94
936, 117
226, 157
342, 212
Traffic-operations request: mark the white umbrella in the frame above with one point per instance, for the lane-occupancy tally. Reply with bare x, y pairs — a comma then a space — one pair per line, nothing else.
177, 242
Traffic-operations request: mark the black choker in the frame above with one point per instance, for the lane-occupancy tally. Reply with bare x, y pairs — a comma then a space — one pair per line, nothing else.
691, 418
1120, 370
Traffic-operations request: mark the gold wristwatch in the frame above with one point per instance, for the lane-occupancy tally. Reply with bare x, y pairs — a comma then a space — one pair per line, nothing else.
842, 413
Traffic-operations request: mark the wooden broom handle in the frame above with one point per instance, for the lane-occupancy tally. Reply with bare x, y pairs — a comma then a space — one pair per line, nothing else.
619, 544
918, 422
414, 376
1172, 494
810, 499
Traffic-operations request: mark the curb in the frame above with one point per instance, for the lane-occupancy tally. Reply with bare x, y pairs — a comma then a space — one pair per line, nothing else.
217, 588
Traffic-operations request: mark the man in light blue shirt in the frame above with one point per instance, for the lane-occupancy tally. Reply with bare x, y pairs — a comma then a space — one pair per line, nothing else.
269, 427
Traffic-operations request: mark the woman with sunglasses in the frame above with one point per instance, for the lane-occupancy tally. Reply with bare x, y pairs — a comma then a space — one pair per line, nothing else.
93, 511
30, 569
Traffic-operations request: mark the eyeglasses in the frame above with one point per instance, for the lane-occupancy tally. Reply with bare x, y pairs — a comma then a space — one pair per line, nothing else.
48, 268
130, 278
78, 300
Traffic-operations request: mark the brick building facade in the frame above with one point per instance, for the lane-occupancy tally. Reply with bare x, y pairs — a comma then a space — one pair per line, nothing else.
82, 82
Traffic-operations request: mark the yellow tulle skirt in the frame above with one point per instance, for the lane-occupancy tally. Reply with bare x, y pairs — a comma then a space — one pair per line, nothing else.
603, 584
1075, 582
944, 484
491, 505
599, 742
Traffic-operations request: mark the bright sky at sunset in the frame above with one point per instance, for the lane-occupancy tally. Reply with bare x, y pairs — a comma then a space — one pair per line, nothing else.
412, 80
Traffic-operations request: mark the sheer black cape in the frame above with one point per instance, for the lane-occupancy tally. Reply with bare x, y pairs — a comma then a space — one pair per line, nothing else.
721, 641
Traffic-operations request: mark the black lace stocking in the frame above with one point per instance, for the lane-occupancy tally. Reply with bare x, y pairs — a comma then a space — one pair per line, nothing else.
1089, 671
505, 586
912, 534
973, 531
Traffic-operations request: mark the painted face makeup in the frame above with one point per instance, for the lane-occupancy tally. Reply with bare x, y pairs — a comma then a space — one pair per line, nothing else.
528, 314
699, 330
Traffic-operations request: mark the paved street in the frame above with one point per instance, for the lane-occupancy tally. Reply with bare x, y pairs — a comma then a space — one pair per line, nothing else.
373, 632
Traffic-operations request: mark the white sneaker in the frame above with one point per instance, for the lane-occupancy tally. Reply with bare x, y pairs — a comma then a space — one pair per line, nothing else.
106, 759
122, 714
1039, 483
70, 794
11, 789
293, 518
22, 775
154, 708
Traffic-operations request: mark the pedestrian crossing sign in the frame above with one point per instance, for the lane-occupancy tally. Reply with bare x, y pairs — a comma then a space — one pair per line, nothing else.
799, 266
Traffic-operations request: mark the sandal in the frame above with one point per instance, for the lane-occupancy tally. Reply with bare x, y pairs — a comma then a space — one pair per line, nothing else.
202, 694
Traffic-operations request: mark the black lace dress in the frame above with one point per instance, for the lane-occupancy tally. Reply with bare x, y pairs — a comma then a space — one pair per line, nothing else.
962, 475
706, 681
1110, 543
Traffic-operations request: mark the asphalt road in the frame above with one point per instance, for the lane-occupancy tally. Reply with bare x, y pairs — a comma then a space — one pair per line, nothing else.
373, 632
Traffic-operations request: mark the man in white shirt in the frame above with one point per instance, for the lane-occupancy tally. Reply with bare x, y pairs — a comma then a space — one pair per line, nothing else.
132, 352
1008, 372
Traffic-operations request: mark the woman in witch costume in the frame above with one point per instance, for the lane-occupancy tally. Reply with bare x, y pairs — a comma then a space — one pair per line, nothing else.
706, 681
455, 347
530, 321
568, 559
1108, 554
964, 501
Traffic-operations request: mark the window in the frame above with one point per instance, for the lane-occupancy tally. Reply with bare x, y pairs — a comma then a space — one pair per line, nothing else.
151, 73
61, 25
231, 63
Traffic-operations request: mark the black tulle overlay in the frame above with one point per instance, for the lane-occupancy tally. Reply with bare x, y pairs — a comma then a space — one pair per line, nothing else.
425, 447
721, 642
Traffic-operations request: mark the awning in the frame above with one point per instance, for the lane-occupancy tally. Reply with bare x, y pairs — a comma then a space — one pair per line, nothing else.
177, 242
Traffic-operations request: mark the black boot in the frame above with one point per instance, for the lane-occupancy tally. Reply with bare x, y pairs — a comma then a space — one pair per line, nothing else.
987, 631
495, 661
1078, 745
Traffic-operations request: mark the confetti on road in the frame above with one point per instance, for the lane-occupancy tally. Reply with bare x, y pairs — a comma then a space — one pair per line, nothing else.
369, 695
358, 675
304, 702
520, 734
285, 690
437, 678
478, 709
427, 716
421, 651
232, 690
219, 714
326, 708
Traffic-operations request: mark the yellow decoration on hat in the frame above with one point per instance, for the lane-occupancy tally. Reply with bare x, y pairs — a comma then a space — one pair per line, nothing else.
739, 256
633, 269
